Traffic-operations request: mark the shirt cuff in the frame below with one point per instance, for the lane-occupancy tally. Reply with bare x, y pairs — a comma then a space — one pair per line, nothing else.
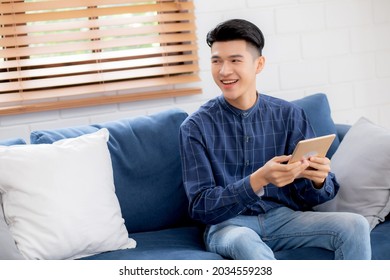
326, 189
246, 192
260, 193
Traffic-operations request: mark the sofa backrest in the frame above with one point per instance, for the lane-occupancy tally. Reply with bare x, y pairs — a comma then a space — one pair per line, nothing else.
147, 169
317, 109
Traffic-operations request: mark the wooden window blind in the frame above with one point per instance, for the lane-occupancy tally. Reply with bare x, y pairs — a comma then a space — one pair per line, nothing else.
64, 54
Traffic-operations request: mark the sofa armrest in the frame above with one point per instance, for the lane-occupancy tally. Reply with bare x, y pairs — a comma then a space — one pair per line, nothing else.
342, 129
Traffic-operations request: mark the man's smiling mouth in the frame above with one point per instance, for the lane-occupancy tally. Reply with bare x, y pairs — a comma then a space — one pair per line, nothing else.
229, 82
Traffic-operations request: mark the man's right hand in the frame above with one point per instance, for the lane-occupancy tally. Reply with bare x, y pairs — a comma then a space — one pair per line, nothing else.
276, 172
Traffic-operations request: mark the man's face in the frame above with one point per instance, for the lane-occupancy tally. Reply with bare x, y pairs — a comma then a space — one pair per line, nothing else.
234, 66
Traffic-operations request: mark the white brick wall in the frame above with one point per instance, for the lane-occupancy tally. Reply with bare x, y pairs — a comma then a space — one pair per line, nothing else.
300, 18
339, 47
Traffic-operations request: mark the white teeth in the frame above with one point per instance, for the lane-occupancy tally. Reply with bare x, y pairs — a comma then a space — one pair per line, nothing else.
229, 82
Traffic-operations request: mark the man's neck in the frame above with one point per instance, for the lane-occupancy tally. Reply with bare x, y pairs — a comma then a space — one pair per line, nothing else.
244, 103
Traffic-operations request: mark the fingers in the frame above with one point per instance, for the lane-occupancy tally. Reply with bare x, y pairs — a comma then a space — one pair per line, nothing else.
320, 160
318, 170
320, 164
281, 159
315, 175
279, 174
283, 174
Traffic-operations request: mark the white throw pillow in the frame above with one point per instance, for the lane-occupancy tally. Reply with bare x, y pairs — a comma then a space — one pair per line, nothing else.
59, 199
362, 167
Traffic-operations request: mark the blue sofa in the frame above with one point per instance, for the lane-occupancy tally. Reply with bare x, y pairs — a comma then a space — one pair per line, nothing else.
147, 175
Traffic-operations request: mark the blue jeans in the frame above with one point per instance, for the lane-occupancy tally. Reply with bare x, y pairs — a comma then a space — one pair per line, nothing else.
256, 237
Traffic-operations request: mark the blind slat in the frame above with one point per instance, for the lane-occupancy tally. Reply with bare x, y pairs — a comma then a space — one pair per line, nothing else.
112, 55
95, 45
99, 88
97, 67
86, 12
100, 34
101, 100
93, 23
98, 76
22, 6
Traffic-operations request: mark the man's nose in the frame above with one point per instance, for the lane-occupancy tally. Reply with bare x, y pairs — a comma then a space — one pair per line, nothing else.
226, 69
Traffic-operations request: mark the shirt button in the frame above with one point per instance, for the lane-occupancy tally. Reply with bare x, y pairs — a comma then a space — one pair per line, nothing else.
247, 163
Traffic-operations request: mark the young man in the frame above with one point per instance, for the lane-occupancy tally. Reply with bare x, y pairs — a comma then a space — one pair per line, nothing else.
234, 150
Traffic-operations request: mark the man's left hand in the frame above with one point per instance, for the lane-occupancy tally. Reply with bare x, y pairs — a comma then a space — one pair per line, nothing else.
318, 170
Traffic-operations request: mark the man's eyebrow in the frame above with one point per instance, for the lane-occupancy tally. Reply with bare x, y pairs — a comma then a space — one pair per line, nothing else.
230, 56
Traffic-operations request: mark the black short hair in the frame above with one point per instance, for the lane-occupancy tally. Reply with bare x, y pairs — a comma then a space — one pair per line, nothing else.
237, 29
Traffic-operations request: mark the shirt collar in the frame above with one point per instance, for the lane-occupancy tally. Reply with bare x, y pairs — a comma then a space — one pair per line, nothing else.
239, 112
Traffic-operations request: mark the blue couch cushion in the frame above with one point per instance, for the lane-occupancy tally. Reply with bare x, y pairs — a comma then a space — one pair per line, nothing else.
317, 109
342, 130
380, 241
185, 243
147, 168
12, 141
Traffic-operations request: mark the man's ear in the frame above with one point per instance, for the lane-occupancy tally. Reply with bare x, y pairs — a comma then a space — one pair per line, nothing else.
260, 64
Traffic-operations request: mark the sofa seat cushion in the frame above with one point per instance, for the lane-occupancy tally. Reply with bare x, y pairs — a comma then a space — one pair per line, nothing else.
380, 241
184, 243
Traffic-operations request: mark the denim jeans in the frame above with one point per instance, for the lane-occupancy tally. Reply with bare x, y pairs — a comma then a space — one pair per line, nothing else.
256, 237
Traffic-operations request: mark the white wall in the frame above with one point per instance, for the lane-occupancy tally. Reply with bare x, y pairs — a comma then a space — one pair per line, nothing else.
339, 47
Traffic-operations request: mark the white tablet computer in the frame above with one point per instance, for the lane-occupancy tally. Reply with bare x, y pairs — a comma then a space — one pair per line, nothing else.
317, 146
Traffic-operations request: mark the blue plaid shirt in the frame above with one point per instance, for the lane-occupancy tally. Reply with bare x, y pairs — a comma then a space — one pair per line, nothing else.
221, 146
